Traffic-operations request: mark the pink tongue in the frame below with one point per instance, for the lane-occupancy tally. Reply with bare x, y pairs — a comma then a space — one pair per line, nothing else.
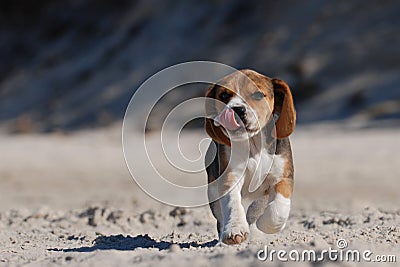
227, 119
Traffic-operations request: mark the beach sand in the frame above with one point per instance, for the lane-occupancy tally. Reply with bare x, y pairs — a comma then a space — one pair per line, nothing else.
69, 199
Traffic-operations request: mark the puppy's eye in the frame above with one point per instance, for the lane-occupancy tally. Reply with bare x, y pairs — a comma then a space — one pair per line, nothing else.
224, 96
258, 95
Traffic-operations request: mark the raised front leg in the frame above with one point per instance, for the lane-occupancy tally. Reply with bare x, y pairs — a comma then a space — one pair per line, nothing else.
277, 211
235, 228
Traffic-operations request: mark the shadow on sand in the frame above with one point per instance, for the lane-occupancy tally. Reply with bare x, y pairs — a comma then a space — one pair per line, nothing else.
120, 242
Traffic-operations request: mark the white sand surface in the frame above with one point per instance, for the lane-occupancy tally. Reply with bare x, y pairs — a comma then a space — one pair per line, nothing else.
69, 199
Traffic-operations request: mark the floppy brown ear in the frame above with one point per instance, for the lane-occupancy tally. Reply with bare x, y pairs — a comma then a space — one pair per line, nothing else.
213, 131
283, 104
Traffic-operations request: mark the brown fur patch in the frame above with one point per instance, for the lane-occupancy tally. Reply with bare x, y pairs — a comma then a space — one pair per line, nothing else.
285, 187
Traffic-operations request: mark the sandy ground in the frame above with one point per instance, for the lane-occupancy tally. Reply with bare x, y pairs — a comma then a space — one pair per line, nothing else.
69, 199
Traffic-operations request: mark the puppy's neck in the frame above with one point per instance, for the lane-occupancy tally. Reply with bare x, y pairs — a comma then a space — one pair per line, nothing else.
256, 144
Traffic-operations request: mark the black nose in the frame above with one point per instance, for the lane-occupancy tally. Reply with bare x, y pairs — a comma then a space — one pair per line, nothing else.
240, 111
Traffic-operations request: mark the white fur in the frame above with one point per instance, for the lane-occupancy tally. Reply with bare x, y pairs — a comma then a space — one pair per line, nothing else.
275, 215
235, 101
233, 215
262, 164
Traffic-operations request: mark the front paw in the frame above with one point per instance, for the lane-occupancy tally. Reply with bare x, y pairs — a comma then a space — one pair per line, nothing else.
235, 234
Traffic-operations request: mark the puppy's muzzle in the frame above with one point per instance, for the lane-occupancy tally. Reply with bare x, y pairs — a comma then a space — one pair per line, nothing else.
240, 111
233, 123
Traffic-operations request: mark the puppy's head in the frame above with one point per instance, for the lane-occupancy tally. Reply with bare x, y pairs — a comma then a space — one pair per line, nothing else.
244, 103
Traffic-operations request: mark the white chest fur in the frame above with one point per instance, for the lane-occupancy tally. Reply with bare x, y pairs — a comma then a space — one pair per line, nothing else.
257, 172
264, 166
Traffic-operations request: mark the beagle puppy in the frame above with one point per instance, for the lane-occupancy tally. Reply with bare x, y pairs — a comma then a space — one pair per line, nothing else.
250, 166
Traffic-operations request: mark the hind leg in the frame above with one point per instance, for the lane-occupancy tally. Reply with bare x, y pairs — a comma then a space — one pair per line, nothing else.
277, 210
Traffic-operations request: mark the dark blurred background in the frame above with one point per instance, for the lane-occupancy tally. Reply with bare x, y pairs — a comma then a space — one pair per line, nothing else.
67, 65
